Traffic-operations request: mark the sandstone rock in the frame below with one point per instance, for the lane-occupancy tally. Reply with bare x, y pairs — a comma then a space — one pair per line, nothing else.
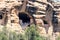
41, 6
42, 30
50, 30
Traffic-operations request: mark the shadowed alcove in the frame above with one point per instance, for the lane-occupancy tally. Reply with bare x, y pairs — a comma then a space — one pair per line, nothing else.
24, 19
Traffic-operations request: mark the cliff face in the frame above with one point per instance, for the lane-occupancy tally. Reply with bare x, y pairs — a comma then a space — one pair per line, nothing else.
57, 13
16, 15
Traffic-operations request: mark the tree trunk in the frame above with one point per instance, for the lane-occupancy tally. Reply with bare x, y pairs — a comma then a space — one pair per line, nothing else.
24, 6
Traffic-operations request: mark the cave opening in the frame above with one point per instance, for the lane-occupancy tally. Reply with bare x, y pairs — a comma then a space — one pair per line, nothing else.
0, 16
45, 22
24, 19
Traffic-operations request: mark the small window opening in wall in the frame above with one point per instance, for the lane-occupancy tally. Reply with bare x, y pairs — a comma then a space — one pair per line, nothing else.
1, 17
12, 21
45, 22
31, 9
32, 0
47, 7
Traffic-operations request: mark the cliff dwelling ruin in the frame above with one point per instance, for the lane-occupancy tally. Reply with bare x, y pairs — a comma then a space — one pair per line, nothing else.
23, 13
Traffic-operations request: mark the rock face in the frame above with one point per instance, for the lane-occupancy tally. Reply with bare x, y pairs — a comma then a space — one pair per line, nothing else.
39, 12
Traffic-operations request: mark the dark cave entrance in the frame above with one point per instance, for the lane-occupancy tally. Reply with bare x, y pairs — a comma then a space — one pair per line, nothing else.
46, 26
24, 19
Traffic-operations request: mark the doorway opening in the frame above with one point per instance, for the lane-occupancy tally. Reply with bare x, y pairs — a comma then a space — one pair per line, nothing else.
46, 26
24, 19
0, 16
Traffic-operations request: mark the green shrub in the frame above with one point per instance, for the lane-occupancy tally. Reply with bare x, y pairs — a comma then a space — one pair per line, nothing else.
3, 34
32, 34
58, 38
21, 37
12, 36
